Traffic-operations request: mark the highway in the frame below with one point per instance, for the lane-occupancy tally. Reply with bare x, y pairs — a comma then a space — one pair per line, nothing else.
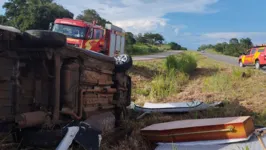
156, 56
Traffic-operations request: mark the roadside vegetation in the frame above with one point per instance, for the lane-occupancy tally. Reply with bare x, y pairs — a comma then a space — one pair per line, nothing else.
148, 43
157, 79
242, 91
234, 47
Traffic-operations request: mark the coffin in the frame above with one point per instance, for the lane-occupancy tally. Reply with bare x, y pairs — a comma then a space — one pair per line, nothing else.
200, 130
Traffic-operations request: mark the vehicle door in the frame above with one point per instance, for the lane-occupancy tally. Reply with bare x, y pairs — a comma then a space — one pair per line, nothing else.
96, 41
249, 57
257, 54
253, 55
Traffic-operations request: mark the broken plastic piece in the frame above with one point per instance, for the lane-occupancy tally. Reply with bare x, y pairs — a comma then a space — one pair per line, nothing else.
180, 107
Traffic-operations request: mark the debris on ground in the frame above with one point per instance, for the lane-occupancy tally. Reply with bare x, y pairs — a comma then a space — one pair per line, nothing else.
253, 142
207, 134
180, 107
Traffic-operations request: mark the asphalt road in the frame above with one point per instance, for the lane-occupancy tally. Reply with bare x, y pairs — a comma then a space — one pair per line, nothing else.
156, 56
227, 59
223, 58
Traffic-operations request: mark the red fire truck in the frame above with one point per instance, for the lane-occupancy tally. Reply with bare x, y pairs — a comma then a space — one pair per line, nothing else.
109, 40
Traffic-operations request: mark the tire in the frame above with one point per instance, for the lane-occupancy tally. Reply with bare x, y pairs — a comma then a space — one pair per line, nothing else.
43, 38
257, 65
123, 62
241, 64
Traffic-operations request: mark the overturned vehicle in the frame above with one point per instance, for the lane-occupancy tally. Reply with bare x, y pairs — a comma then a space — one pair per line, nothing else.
47, 85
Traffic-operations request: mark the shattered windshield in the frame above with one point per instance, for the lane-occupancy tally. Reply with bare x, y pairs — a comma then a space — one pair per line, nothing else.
70, 31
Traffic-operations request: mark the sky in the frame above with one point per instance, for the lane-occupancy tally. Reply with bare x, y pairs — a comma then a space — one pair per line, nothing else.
187, 22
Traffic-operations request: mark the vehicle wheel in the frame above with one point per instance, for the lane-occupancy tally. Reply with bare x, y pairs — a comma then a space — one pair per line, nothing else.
43, 38
123, 62
257, 65
241, 64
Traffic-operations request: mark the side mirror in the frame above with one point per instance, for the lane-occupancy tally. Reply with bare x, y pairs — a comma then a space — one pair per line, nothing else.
51, 24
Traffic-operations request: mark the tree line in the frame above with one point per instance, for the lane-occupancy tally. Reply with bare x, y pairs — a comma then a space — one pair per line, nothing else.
151, 39
37, 14
234, 47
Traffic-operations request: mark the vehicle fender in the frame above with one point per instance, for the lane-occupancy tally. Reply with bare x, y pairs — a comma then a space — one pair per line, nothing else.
256, 57
242, 59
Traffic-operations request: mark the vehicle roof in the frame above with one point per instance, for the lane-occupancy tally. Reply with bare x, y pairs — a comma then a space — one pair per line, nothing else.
80, 23
259, 46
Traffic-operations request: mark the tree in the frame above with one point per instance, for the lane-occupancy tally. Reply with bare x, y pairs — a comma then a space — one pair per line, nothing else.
90, 15
234, 41
219, 47
3, 20
246, 43
233, 48
174, 46
153, 38
158, 38
33, 14
184, 48
130, 40
141, 39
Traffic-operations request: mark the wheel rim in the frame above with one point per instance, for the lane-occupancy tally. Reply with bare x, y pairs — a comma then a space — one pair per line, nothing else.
240, 64
121, 59
257, 65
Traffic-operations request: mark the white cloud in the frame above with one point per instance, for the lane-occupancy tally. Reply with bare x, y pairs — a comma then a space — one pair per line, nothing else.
139, 15
215, 37
141, 25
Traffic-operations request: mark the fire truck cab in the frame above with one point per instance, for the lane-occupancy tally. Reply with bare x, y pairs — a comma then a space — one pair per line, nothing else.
109, 40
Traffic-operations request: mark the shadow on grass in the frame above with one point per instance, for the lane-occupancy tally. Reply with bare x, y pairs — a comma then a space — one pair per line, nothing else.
199, 72
143, 71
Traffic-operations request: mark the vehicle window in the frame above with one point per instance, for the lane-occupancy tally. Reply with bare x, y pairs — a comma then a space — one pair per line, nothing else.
253, 51
261, 50
70, 31
98, 33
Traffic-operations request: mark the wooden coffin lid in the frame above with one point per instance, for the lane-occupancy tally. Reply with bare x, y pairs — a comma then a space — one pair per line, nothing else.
182, 124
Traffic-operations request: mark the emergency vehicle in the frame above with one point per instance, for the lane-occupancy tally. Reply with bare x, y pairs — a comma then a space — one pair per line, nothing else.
109, 40
256, 56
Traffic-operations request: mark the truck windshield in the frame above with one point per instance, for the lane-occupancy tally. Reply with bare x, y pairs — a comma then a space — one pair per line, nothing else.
70, 31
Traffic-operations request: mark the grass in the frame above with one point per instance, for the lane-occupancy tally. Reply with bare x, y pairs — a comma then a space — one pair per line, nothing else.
143, 49
213, 51
157, 79
164, 85
242, 91
183, 63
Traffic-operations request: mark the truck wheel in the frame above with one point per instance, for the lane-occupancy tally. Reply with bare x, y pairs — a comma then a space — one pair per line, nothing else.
241, 64
43, 38
123, 62
257, 65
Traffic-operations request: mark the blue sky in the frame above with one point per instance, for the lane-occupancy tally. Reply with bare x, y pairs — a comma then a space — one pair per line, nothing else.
188, 22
